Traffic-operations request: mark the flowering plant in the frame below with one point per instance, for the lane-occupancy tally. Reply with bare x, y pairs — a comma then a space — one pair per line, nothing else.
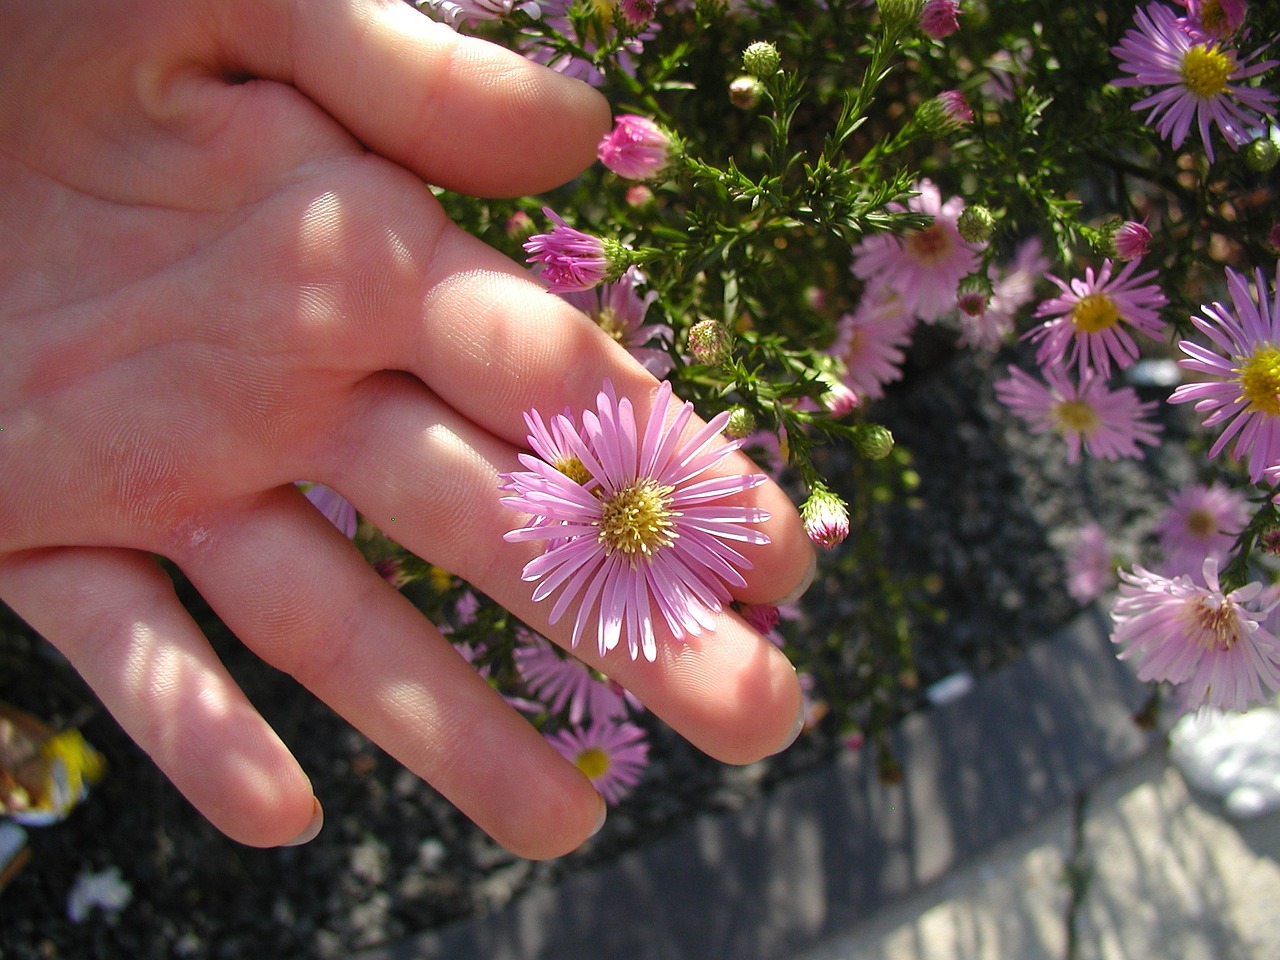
794, 198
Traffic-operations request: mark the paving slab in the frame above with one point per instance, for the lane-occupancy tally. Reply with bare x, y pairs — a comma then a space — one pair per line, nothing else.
820, 854
1173, 877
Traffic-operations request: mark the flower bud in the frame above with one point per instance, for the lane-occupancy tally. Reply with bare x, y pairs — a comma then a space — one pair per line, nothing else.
742, 423
1261, 155
761, 60
402, 570
1131, 240
873, 441
898, 16
826, 518
973, 296
939, 18
944, 114
976, 224
744, 92
636, 148
710, 342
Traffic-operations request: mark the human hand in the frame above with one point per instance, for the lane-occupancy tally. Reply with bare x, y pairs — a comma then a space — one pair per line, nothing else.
223, 273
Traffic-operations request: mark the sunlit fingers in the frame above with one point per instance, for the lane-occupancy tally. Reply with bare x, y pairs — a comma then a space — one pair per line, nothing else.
432, 480
301, 595
114, 614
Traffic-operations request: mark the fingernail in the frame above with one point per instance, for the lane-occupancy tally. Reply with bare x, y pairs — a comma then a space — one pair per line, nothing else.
313, 828
804, 583
795, 731
604, 813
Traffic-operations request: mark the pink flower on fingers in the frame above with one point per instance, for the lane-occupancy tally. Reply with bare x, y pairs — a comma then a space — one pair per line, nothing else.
640, 524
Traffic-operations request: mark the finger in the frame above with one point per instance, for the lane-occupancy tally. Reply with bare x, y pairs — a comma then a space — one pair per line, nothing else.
431, 479
301, 595
493, 343
113, 613
463, 113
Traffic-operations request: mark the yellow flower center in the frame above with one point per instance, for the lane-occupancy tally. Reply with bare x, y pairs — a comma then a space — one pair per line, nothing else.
1260, 380
609, 321
574, 469
637, 519
592, 761
1205, 70
1094, 313
1211, 625
1075, 416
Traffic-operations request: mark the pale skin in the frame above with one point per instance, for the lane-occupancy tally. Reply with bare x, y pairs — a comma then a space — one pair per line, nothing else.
222, 272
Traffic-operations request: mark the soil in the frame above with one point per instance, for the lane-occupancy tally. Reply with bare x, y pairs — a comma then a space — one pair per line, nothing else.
992, 512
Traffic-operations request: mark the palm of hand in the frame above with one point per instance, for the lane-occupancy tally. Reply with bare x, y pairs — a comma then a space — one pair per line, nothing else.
214, 291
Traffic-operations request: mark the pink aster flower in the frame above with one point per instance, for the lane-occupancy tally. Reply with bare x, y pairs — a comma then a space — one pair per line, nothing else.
1090, 570
559, 15
561, 682
1215, 18
1201, 521
1209, 643
1109, 424
619, 309
1199, 78
871, 343
613, 754
640, 525
939, 18
636, 148
1087, 323
1246, 364
924, 267
456, 12
573, 260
